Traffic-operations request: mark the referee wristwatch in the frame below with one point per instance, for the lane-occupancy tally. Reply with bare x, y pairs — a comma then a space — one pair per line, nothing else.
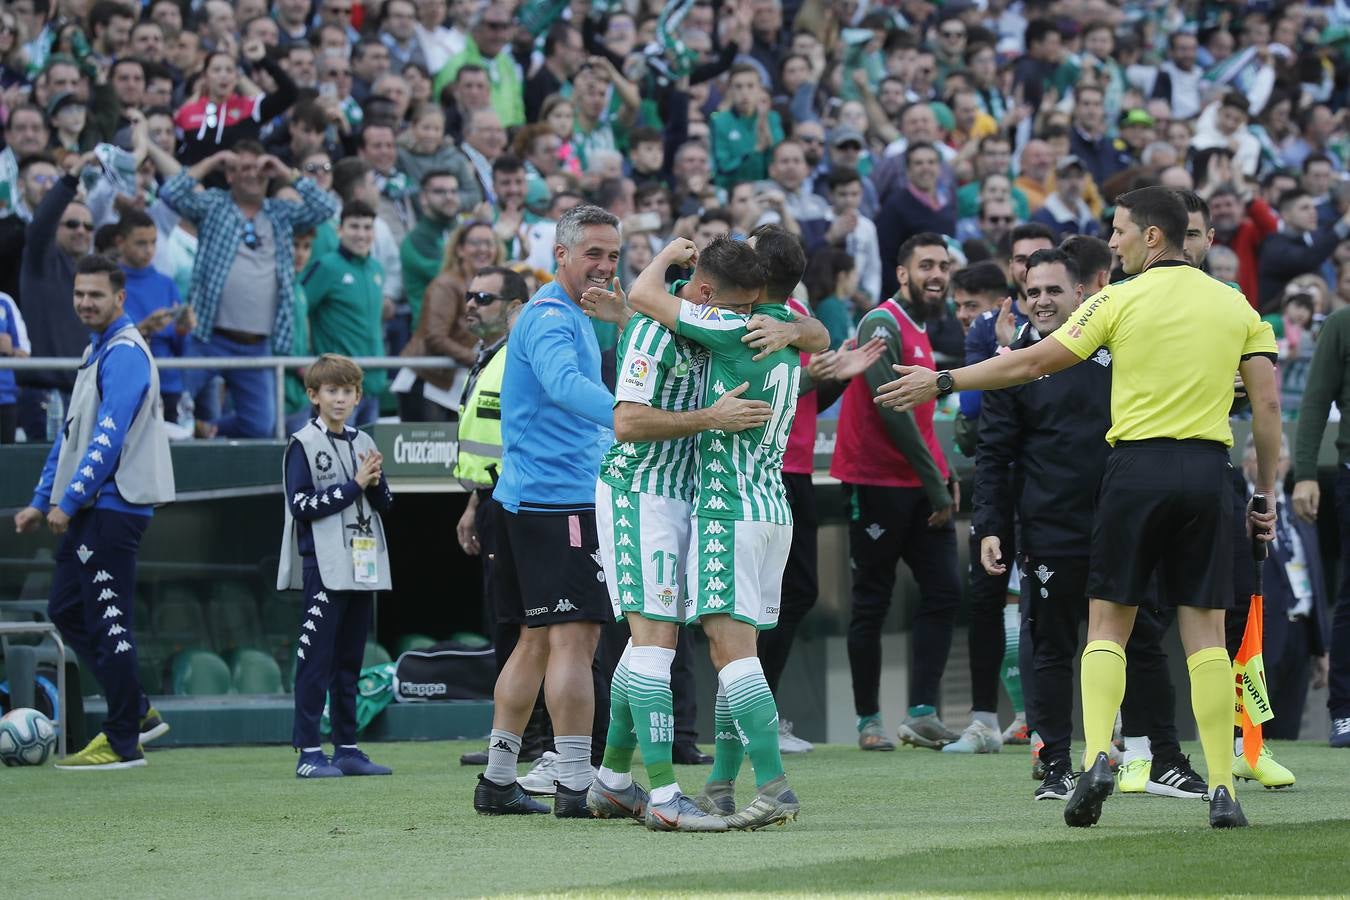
945, 383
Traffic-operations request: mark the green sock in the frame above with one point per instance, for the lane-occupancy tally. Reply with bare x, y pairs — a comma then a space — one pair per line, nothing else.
728, 751
620, 741
755, 716
864, 721
921, 710
653, 711
1009, 672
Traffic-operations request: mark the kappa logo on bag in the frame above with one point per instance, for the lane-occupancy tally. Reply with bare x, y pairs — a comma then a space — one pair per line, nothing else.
446, 671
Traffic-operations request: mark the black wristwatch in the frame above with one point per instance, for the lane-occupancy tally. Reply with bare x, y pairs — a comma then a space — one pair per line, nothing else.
945, 383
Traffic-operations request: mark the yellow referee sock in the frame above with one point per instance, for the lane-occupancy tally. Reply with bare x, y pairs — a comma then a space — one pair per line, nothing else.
1212, 702
1103, 684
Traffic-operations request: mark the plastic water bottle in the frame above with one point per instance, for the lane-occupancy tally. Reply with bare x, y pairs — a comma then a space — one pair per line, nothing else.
56, 414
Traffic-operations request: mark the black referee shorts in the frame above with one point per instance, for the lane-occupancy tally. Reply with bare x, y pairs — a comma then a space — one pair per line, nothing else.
1165, 506
547, 570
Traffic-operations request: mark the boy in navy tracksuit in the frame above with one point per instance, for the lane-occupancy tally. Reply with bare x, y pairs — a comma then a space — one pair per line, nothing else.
334, 549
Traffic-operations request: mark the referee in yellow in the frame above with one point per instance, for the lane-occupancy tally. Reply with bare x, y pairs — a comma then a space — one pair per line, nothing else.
1175, 336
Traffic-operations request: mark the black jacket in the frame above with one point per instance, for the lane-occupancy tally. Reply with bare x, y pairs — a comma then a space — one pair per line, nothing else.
1042, 451
1286, 256
46, 284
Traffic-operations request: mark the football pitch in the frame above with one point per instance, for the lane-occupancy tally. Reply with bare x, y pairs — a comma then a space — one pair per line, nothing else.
236, 822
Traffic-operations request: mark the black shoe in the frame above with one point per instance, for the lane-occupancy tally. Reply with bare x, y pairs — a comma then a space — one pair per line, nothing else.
570, 804
1094, 786
1058, 782
689, 755
1225, 811
1176, 778
477, 758
492, 799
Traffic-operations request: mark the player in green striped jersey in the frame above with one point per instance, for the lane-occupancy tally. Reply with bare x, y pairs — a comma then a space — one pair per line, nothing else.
643, 511
742, 524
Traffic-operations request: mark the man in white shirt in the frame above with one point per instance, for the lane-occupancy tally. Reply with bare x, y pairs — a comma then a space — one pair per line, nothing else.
853, 231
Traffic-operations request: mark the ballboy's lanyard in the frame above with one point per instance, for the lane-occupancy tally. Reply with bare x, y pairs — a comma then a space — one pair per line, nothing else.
362, 526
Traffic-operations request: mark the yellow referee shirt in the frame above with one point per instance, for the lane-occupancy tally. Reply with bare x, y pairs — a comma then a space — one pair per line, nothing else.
1176, 337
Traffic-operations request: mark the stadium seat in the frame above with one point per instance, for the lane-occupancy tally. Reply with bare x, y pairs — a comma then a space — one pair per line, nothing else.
254, 672
233, 615
471, 639
200, 672
375, 654
177, 617
413, 642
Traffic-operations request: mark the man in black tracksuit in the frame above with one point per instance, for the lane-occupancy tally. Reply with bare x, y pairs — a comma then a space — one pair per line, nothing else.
1052, 433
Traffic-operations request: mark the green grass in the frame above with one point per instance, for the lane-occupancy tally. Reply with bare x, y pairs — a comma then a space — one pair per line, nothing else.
235, 822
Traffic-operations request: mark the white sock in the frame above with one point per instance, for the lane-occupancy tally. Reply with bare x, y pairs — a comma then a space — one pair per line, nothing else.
665, 793
616, 780
1237, 746
574, 761
310, 749
503, 752
988, 718
1137, 748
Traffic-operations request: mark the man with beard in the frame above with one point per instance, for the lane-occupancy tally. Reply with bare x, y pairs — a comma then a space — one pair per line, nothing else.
903, 498
1242, 224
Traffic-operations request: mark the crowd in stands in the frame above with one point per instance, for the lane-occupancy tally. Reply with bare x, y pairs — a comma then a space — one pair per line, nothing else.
213, 146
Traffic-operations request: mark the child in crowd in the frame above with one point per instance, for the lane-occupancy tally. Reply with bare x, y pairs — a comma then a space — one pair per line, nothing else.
334, 549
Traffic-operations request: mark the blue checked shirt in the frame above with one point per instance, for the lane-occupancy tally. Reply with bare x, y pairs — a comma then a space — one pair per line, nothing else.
220, 231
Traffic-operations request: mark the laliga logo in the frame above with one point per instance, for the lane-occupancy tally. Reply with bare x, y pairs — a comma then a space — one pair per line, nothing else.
638, 369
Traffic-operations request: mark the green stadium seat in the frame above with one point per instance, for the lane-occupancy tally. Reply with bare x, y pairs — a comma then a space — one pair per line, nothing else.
375, 654
281, 615
200, 672
413, 642
254, 672
233, 616
177, 617
471, 639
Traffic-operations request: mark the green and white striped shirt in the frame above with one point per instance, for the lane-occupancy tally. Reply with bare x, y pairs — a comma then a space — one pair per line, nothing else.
656, 369
740, 476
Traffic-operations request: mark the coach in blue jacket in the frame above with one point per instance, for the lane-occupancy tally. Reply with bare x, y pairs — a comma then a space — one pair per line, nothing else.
557, 419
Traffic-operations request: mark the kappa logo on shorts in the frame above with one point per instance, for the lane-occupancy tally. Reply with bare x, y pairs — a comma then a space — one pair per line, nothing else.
628, 599
716, 503
715, 602
714, 565
624, 541
623, 502
625, 559
537, 611
715, 527
716, 446
717, 485
716, 584
714, 546
1043, 573
565, 605
626, 580
623, 522
717, 468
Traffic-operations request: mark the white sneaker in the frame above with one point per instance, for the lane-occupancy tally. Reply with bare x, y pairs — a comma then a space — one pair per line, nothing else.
977, 738
789, 742
539, 781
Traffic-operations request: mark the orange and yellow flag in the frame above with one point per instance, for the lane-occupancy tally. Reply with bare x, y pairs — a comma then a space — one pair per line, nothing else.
1251, 705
